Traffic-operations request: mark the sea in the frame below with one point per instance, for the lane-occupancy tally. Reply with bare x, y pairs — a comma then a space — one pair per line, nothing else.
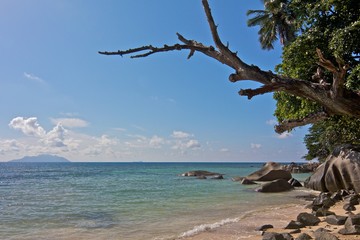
134, 201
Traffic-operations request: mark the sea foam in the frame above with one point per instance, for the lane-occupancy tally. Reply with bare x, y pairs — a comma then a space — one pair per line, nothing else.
207, 227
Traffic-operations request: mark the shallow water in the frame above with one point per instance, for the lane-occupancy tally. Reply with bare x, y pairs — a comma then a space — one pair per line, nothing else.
125, 200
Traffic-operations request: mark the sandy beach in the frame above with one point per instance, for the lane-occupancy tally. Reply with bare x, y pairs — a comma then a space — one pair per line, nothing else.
245, 228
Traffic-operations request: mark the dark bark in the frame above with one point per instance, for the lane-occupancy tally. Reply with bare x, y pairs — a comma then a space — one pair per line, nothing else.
335, 99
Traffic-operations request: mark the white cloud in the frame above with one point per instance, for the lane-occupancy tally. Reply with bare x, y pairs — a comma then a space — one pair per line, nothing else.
29, 126
9, 145
271, 122
181, 141
136, 141
186, 145
63, 141
156, 141
255, 145
104, 146
70, 122
56, 137
105, 140
192, 144
284, 135
33, 77
180, 134
93, 151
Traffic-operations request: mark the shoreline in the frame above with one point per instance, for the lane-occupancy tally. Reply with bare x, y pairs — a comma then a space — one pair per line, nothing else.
245, 227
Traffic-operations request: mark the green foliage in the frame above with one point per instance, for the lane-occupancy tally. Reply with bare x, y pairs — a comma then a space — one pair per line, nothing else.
292, 107
333, 26
353, 81
324, 136
345, 42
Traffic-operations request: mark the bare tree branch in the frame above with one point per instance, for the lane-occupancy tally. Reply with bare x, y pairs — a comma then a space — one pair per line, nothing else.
288, 125
151, 50
213, 28
262, 90
335, 100
339, 73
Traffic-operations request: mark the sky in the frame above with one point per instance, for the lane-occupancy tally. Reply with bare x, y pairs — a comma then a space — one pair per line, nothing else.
59, 96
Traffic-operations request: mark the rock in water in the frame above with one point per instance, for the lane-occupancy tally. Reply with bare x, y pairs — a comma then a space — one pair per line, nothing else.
269, 172
295, 183
246, 181
340, 171
279, 185
198, 173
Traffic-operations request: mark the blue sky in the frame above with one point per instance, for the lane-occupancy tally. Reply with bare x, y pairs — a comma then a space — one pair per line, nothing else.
59, 96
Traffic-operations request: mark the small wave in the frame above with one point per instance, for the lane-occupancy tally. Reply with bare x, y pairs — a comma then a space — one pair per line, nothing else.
207, 227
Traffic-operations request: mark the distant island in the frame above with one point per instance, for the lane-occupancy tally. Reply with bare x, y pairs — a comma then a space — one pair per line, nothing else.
44, 158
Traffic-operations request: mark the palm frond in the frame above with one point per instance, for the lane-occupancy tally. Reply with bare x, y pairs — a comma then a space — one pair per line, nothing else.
268, 35
258, 19
249, 12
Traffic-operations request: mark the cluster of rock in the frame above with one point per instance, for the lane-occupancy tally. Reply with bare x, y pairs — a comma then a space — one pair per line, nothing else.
301, 168
320, 209
340, 171
276, 177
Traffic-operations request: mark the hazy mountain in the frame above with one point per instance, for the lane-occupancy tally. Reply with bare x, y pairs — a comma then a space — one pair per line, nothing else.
41, 158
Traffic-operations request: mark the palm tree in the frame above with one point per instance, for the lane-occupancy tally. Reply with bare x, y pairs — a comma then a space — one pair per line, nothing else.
276, 19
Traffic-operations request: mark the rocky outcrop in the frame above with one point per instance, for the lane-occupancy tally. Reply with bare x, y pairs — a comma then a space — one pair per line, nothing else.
269, 172
279, 185
301, 167
340, 171
304, 221
323, 201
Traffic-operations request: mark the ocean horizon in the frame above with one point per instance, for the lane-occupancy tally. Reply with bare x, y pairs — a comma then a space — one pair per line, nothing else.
127, 200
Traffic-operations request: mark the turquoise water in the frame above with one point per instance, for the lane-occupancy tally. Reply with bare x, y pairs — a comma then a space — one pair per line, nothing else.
123, 200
